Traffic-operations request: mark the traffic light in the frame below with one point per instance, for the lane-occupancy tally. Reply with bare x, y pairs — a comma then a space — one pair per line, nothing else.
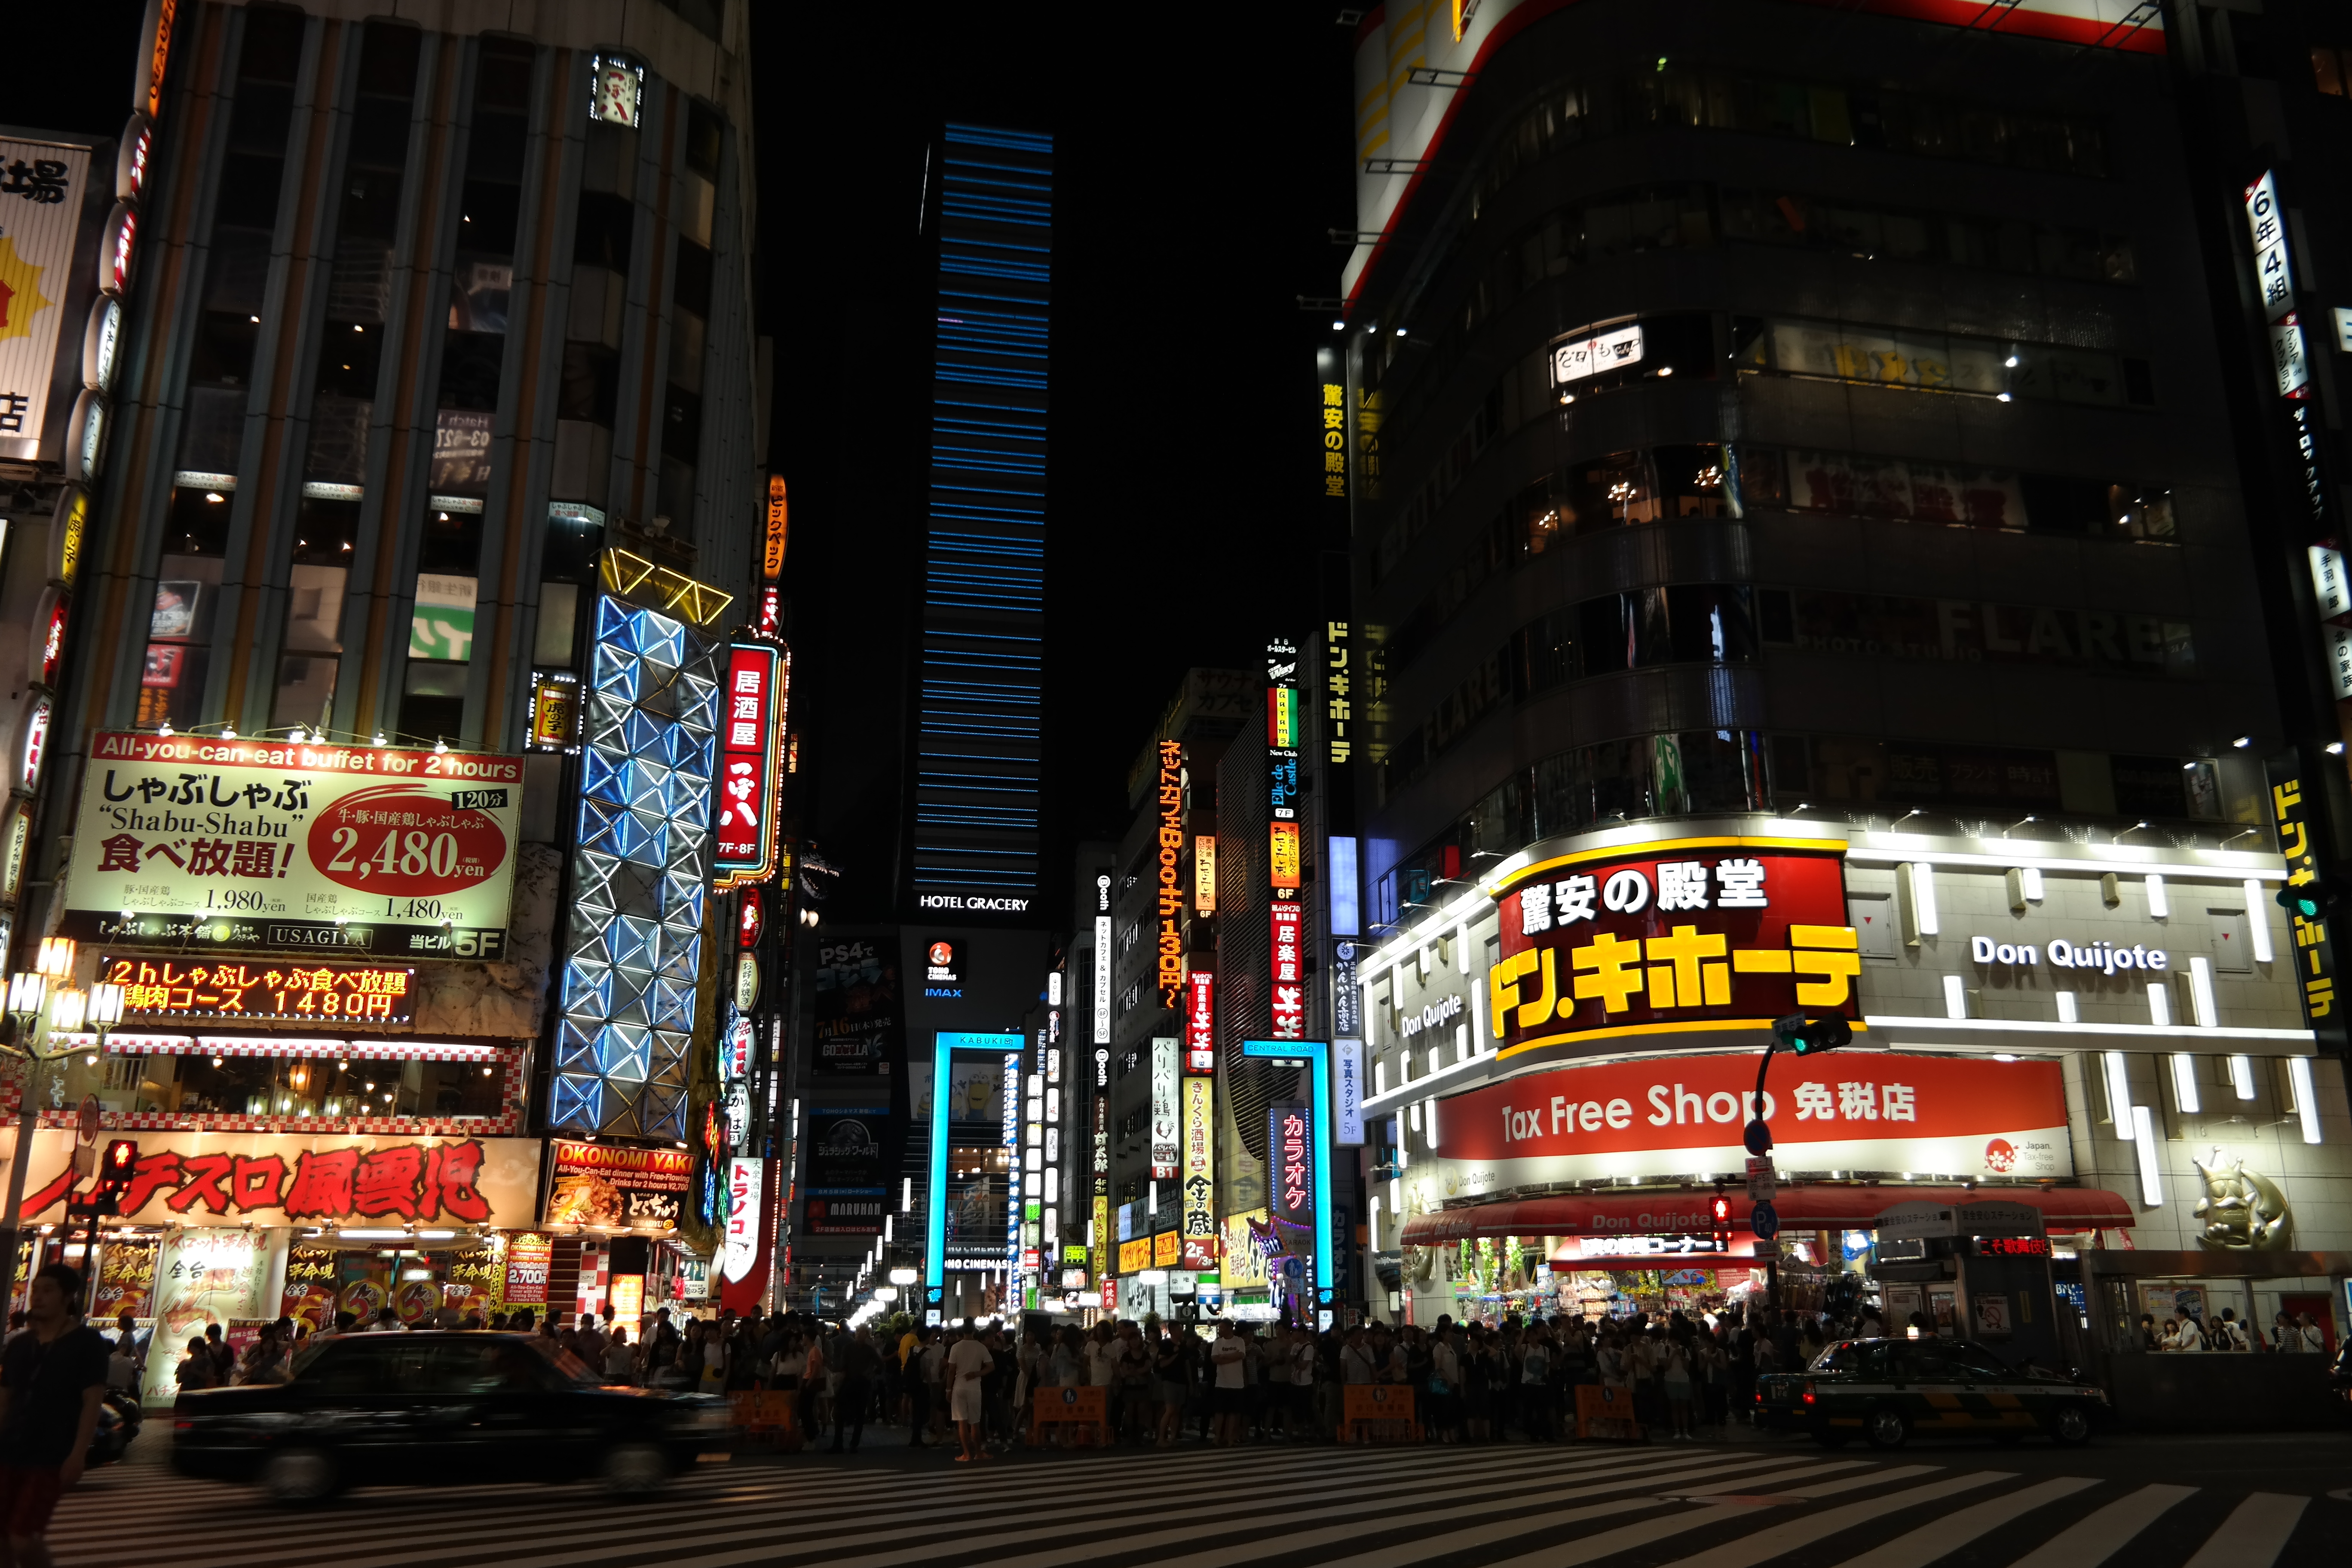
1721, 1209
2310, 900
114, 1168
1806, 1035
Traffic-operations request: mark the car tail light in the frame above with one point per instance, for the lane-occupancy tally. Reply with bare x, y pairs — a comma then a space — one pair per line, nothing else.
184, 1425
1809, 1391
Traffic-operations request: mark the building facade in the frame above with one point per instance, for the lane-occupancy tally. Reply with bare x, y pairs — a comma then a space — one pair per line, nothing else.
425, 535
1744, 452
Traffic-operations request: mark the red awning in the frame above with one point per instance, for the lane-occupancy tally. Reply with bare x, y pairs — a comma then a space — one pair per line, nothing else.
1812, 1208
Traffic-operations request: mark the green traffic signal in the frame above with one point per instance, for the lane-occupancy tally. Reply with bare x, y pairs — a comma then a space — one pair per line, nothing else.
1804, 1036
2307, 901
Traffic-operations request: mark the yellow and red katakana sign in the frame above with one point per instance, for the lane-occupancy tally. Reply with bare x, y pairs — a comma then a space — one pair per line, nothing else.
1679, 934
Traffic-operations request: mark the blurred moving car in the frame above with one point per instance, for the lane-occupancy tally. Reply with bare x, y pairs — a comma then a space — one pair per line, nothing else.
392, 1409
1886, 1389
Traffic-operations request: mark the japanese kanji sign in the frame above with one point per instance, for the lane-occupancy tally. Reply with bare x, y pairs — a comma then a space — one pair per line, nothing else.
1681, 1115
751, 765
203, 843
266, 1179
1668, 935
41, 211
243, 988
1197, 1222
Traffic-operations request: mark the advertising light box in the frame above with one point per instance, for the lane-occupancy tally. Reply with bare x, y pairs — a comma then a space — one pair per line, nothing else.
199, 842
1669, 1116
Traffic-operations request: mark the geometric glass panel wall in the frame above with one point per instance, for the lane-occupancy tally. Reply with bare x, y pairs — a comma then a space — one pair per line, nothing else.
640, 865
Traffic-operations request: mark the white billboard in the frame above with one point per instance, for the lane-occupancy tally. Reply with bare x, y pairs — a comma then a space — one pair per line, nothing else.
41, 211
202, 843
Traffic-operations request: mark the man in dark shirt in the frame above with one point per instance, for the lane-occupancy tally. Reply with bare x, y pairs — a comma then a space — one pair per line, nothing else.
52, 1378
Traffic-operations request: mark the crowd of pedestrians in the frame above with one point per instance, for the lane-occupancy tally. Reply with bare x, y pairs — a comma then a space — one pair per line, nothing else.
2185, 1333
970, 1385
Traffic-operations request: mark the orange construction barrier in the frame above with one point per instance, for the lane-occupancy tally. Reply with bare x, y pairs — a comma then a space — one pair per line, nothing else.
1080, 1407
765, 1415
1606, 1412
1377, 1413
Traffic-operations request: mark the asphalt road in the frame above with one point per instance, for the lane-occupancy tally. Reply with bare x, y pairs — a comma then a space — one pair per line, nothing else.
2220, 1502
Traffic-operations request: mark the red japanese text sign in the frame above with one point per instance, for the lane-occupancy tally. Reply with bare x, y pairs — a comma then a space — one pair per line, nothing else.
263, 844
1200, 1022
1683, 1115
267, 1179
1290, 990
750, 772
1665, 936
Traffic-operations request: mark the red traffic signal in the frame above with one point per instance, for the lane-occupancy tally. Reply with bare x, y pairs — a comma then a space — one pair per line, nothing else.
1721, 1209
114, 1168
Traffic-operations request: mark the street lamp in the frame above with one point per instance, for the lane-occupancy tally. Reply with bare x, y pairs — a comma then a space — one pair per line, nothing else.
105, 1011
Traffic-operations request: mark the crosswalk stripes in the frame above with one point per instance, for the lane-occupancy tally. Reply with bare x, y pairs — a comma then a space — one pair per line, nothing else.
2092, 1538
1956, 1529
2253, 1534
1533, 1506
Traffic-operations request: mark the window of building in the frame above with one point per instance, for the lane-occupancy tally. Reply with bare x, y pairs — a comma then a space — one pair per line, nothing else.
1946, 362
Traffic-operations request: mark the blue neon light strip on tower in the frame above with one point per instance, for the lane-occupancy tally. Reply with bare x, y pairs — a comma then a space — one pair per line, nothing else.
980, 709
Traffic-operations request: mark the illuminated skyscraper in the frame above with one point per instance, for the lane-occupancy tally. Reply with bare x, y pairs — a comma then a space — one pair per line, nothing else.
978, 731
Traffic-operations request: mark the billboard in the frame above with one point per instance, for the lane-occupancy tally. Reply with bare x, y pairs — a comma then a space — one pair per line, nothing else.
1955, 1116
857, 1006
1197, 1224
606, 1184
261, 844
1165, 1130
263, 1179
36, 263
1670, 935
750, 762
847, 1150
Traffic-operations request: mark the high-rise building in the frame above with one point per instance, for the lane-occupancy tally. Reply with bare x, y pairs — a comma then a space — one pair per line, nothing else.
1802, 564
429, 506
978, 733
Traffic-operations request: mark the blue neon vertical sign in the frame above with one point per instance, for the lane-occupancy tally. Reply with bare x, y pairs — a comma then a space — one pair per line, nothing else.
944, 1046
1318, 1056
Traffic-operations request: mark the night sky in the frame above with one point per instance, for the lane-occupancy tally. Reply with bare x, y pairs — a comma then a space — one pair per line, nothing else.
1200, 158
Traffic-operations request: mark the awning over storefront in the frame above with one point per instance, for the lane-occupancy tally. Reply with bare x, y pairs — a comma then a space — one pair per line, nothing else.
1822, 1207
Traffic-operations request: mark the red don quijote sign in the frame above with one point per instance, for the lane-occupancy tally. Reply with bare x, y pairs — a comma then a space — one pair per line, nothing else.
1672, 936
1861, 1110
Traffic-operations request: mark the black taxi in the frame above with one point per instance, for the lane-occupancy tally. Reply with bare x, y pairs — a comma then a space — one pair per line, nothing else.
1886, 1390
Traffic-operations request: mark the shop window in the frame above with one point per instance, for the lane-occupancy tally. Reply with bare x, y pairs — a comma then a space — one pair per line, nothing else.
180, 619
489, 213
693, 287
591, 384
1611, 492
222, 354
502, 78
2331, 71
1694, 481
348, 354
470, 367
2150, 786
600, 236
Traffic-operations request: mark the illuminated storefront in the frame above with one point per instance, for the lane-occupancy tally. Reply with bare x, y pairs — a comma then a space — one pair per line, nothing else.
1563, 1061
